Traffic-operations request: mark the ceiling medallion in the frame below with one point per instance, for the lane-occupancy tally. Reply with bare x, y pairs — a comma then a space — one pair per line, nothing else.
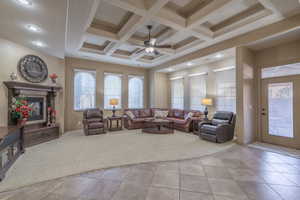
33, 69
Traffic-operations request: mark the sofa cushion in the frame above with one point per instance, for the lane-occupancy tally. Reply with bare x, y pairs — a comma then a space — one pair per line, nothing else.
95, 125
130, 114
145, 113
177, 120
219, 121
94, 120
171, 113
178, 113
209, 129
138, 120
161, 113
93, 114
136, 113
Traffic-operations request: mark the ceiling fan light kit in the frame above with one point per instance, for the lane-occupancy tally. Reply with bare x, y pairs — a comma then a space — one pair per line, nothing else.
150, 44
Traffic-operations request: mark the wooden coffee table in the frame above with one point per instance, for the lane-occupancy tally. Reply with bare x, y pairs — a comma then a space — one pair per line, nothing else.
159, 126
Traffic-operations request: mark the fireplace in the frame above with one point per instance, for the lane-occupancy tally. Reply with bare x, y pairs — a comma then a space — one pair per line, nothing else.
40, 97
38, 105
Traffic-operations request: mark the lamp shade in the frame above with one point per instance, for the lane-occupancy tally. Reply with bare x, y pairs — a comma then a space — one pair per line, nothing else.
113, 102
207, 102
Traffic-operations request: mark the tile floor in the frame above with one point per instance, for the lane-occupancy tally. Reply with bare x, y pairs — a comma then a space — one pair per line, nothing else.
240, 173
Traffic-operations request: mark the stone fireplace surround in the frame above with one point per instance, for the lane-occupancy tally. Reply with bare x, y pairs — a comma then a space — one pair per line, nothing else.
36, 130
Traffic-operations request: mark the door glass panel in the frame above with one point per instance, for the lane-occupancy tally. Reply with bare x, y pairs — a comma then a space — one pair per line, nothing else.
280, 107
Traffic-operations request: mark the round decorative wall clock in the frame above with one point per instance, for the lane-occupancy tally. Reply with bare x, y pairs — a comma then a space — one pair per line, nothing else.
33, 69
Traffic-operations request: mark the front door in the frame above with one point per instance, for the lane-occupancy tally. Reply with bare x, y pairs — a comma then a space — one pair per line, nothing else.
281, 111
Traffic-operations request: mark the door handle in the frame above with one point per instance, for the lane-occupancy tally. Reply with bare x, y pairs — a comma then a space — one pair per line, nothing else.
263, 113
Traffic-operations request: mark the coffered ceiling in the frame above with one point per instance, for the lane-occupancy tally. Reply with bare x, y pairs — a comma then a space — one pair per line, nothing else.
116, 29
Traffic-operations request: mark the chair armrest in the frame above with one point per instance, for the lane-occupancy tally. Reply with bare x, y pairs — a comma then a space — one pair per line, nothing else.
225, 132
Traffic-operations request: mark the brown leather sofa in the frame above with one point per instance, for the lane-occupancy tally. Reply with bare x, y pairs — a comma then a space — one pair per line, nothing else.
179, 117
93, 122
220, 128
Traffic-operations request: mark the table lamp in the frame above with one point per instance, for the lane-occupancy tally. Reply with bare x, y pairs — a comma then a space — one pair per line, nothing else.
114, 103
206, 102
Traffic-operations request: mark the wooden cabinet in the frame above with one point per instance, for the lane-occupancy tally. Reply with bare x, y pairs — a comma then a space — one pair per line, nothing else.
40, 135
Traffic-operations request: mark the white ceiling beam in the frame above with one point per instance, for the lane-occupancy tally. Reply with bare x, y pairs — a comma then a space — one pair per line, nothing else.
136, 56
268, 4
130, 27
135, 22
102, 33
114, 38
111, 48
165, 35
201, 15
135, 6
244, 22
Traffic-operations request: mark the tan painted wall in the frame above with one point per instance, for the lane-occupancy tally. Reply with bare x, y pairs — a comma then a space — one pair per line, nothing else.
246, 73
73, 118
211, 83
10, 54
279, 55
162, 93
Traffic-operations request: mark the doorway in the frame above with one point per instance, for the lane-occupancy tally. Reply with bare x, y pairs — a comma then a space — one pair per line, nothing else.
280, 111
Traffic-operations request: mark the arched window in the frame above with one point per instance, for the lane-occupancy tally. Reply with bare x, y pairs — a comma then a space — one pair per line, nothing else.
177, 93
112, 89
84, 89
136, 92
197, 91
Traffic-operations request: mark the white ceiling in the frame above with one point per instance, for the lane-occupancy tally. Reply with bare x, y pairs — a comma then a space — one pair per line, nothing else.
66, 26
50, 16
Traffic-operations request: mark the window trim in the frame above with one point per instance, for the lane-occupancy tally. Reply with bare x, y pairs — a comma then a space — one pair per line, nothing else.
76, 70
191, 76
121, 97
176, 79
143, 97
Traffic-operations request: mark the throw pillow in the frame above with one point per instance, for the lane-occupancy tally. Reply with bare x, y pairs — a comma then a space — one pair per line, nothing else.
130, 114
161, 113
189, 115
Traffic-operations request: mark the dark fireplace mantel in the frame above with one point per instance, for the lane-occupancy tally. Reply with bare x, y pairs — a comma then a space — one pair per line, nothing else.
31, 86
35, 131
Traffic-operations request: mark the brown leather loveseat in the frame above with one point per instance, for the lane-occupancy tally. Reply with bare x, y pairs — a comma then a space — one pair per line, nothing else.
183, 121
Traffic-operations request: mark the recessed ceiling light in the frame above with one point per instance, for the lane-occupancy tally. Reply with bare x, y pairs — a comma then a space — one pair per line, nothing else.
170, 69
33, 28
38, 43
24, 2
219, 55
190, 64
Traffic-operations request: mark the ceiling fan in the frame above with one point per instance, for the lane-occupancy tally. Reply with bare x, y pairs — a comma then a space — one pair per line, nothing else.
150, 45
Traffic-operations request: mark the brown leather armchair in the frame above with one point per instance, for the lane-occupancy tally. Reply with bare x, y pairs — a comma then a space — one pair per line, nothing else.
93, 122
220, 128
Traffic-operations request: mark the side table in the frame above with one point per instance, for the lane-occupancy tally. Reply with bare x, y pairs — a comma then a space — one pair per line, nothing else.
119, 123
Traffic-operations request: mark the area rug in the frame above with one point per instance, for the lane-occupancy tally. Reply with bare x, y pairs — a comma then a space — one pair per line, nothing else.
75, 153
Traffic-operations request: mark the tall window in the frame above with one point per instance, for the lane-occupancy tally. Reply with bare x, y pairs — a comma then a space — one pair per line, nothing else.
197, 91
112, 89
177, 93
84, 89
136, 92
226, 91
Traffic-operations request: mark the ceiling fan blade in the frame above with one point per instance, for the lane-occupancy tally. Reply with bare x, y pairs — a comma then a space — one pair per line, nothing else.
163, 46
139, 51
